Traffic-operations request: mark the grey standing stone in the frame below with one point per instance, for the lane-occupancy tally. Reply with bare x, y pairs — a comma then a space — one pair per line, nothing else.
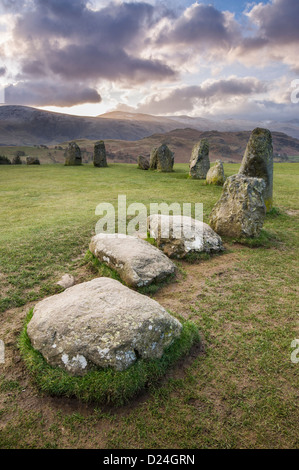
258, 161
162, 159
99, 155
240, 212
32, 161
200, 162
153, 159
73, 155
216, 174
143, 163
100, 323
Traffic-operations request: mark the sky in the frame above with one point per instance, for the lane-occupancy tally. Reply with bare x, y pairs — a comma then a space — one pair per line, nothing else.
214, 59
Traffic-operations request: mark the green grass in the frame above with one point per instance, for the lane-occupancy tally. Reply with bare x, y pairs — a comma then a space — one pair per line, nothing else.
105, 386
241, 392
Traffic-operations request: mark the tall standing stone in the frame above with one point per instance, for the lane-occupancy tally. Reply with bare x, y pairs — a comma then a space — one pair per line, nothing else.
258, 161
153, 159
200, 162
99, 155
240, 212
162, 159
73, 155
165, 159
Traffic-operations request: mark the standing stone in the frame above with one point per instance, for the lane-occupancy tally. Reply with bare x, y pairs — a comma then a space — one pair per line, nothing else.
216, 174
258, 161
240, 212
200, 162
73, 155
165, 159
143, 163
153, 159
99, 155
17, 160
100, 323
32, 161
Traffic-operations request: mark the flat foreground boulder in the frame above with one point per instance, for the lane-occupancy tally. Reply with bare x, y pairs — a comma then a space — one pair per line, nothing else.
179, 235
200, 161
258, 161
137, 261
216, 174
240, 212
100, 323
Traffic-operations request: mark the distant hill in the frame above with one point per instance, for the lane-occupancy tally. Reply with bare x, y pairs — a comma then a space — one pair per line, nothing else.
227, 146
22, 125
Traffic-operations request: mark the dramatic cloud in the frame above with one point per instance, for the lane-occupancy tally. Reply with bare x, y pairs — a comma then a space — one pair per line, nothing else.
42, 93
187, 98
201, 25
151, 55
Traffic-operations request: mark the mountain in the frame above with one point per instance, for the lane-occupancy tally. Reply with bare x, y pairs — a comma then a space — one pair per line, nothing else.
22, 125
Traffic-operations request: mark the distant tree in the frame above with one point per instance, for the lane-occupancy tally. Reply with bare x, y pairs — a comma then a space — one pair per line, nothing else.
19, 153
4, 160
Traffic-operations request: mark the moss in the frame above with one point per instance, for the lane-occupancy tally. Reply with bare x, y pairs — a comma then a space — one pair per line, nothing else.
104, 386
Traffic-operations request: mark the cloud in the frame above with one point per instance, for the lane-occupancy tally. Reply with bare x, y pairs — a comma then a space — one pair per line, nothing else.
2, 71
43, 93
68, 39
201, 25
185, 99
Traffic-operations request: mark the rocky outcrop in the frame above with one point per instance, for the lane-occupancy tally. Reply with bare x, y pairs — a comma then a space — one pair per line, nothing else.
258, 161
100, 323
73, 155
99, 155
143, 163
200, 162
216, 174
179, 236
241, 211
137, 261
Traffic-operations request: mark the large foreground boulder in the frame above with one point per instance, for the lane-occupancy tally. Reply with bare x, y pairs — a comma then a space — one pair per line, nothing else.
179, 236
143, 163
73, 155
162, 159
100, 323
200, 162
240, 212
99, 155
216, 174
137, 261
258, 161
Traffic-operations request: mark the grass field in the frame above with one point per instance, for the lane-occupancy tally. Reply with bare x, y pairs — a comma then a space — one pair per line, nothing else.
239, 390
